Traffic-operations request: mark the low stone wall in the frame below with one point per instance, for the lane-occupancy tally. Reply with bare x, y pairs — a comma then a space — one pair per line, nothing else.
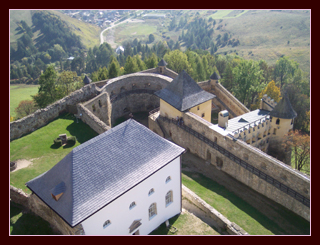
42, 116
100, 106
194, 204
93, 121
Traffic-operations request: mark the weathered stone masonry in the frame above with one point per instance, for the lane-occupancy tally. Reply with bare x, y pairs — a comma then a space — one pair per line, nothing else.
250, 165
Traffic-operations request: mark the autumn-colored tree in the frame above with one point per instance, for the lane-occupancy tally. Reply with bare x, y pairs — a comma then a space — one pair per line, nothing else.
25, 108
272, 91
300, 145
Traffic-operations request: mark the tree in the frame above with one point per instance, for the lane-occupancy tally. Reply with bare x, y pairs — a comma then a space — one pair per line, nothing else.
99, 75
140, 63
247, 76
177, 61
114, 68
67, 82
131, 66
25, 108
47, 93
151, 61
272, 91
77, 65
151, 38
300, 144
284, 69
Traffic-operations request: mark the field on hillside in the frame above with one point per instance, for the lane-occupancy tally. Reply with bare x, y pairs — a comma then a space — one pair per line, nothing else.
19, 92
268, 35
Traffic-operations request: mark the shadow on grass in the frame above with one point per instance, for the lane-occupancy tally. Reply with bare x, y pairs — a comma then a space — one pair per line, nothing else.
302, 225
27, 223
162, 229
81, 131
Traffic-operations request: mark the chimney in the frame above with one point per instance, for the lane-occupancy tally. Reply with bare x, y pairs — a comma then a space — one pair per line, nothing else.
223, 119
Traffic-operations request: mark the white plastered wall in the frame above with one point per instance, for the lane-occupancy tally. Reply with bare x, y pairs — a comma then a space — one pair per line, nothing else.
122, 217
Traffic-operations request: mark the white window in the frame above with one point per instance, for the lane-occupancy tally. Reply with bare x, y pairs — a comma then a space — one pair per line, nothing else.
168, 179
106, 224
132, 205
151, 191
169, 198
152, 210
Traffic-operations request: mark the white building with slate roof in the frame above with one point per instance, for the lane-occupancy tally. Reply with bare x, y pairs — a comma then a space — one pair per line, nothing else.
124, 181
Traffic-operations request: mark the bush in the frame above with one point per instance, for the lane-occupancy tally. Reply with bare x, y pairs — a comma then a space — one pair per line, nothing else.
71, 140
57, 141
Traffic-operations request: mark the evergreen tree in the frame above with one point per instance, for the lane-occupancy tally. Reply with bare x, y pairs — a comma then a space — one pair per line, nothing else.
130, 66
114, 68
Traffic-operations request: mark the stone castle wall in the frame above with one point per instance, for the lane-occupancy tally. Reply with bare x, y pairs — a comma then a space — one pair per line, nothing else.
42, 116
228, 99
255, 157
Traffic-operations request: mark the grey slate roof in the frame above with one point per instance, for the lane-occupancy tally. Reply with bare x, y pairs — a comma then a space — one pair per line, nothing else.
162, 63
215, 76
283, 109
103, 168
86, 80
243, 120
184, 93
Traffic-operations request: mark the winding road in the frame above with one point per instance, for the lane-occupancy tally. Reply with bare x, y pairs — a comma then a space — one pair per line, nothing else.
113, 25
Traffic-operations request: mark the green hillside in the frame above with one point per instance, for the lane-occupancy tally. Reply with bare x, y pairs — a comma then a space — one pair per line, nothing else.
88, 33
269, 35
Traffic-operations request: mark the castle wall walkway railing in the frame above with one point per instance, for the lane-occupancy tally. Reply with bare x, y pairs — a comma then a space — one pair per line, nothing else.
282, 187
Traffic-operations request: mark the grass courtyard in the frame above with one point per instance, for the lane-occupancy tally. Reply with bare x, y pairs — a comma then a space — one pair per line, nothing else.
19, 92
38, 148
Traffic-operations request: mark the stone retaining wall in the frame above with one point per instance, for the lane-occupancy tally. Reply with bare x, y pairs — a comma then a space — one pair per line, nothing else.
35, 205
194, 204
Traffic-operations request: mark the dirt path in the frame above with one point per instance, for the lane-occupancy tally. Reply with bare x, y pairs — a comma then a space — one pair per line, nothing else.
22, 163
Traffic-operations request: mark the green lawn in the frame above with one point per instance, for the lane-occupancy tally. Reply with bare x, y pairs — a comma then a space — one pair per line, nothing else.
22, 223
185, 224
20, 92
39, 146
239, 211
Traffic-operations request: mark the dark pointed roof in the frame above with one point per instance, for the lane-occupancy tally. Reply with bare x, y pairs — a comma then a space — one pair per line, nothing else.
162, 63
102, 169
215, 76
283, 109
184, 93
86, 80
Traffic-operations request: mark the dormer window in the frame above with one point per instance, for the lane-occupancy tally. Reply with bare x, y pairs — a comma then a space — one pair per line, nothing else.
58, 191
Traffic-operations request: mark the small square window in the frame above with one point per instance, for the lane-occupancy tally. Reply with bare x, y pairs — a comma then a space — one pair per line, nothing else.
202, 115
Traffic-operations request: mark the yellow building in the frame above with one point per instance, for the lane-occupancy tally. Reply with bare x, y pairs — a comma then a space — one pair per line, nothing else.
281, 117
184, 94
